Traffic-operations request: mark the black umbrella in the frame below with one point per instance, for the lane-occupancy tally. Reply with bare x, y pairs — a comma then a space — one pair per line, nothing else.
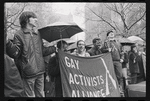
125, 41
69, 42
59, 30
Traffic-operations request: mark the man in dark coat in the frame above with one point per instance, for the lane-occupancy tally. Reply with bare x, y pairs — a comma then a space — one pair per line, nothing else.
141, 67
133, 64
27, 49
49, 84
54, 70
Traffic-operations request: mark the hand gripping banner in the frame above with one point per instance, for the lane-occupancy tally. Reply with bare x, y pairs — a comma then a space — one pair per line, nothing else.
88, 76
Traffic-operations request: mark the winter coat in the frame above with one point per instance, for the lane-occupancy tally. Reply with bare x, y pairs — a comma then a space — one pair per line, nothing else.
13, 84
27, 49
54, 72
125, 60
49, 85
133, 62
141, 66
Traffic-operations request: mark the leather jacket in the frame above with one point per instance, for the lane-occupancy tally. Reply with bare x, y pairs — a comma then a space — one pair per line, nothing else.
27, 49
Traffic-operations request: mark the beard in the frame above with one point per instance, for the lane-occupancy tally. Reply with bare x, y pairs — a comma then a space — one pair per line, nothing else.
98, 47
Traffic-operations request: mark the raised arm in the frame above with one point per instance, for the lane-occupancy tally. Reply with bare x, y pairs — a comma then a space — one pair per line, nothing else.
14, 49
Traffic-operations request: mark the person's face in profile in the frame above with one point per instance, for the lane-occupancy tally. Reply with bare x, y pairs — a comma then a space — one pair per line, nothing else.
33, 21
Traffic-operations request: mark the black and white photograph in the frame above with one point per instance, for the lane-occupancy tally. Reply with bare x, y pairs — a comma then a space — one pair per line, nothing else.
74, 49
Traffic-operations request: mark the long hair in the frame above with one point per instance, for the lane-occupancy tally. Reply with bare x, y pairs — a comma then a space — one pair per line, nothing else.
24, 18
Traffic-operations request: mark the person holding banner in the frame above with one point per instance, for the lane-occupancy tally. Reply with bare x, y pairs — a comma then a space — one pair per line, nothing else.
81, 51
54, 69
114, 47
97, 49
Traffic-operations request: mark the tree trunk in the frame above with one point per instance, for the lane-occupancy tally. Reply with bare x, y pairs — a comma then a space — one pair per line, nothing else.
125, 32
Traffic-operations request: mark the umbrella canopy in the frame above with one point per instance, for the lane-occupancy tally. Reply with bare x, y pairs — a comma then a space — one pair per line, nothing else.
134, 38
59, 30
68, 40
125, 41
137, 40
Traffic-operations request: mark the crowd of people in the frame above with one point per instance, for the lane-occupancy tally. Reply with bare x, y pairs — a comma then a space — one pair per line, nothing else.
33, 64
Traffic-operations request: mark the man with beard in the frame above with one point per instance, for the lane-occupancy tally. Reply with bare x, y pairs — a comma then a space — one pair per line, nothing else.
97, 49
54, 68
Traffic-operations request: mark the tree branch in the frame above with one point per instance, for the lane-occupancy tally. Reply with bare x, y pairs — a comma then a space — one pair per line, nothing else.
143, 28
121, 15
140, 36
9, 16
129, 10
13, 28
92, 19
125, 6
116, 26
128, 6
102, 18
122, 5
17, 15
13, 24
137, 21
111, 9
116, 9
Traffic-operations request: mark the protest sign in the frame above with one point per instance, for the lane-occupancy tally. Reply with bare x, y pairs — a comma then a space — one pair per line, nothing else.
88, 76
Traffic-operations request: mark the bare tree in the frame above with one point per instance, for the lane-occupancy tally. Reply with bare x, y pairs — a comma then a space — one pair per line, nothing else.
123, 11
129, 13
101, 18
12, 15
